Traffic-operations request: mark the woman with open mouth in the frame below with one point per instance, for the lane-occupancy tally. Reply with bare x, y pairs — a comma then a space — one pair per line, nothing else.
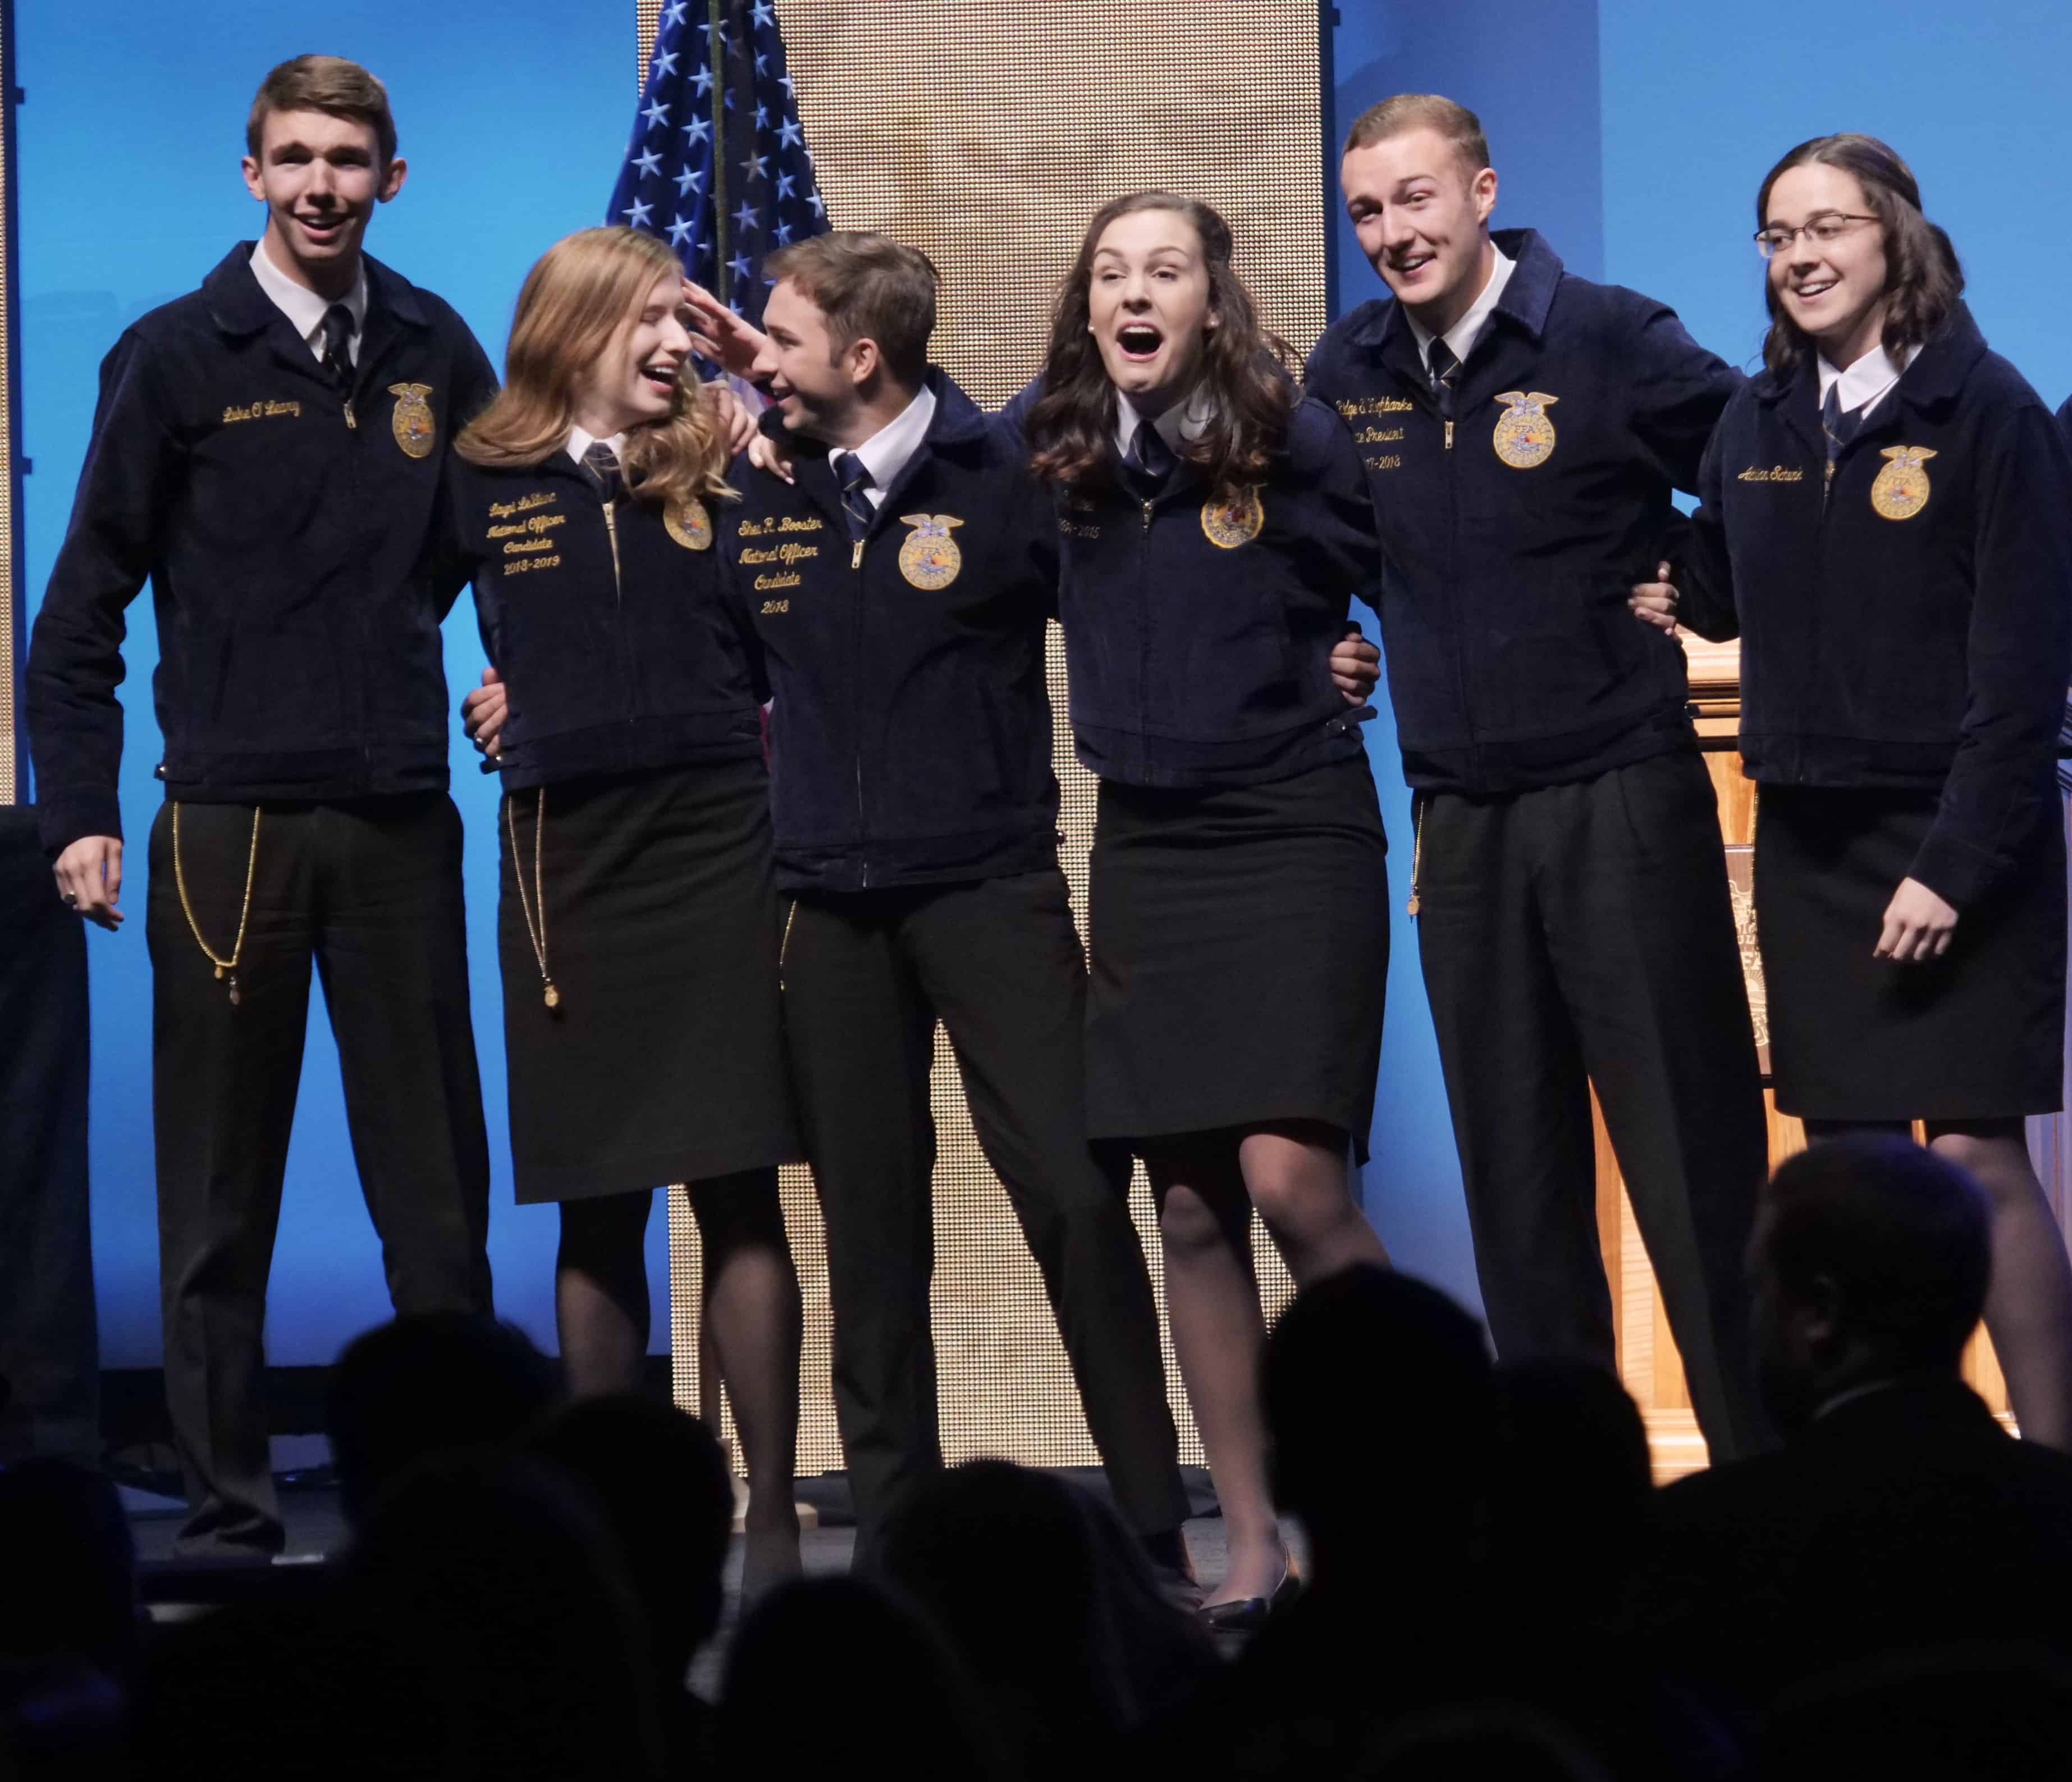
1215, 527
1886, 520
638, 923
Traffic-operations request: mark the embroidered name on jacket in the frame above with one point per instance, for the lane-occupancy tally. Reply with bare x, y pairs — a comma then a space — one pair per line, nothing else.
260, 410
1776, 473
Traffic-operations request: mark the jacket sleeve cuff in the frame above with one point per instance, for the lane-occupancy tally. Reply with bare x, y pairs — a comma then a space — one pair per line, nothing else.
1957, 873
63, 817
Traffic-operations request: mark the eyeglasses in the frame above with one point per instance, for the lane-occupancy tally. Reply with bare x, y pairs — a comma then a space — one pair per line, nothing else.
1820, 229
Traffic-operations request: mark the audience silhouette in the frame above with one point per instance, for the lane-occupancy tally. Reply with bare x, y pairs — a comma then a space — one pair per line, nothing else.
1493, 1585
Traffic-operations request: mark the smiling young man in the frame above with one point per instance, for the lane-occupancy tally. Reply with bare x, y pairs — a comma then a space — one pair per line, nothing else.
1522, 430
267, 452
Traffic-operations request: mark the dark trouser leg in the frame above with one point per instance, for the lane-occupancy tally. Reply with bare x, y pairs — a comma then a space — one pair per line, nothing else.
224, 1083
392, 947
1002, 961
860, 1038
1641, 932
1516, 1082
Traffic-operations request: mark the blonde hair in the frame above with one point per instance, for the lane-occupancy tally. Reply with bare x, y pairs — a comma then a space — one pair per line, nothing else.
581, 295
1402, 113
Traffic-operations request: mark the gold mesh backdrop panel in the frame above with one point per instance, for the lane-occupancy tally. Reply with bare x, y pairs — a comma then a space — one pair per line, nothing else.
987, 135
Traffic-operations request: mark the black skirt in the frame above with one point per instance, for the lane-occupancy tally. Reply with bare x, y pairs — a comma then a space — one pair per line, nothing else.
1977, 1034
662, 1061
1239, 956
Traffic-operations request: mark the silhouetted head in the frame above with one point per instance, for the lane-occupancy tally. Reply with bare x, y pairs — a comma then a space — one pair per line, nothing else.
424, 1385
1380, 1402
1573, 1486
68, 1568
661, 1480
1868, 1262
838, 1676
1089, 1652
505, 1629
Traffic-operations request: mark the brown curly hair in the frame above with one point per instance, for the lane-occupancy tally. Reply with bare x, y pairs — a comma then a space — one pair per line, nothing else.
1248, 372
1923, 278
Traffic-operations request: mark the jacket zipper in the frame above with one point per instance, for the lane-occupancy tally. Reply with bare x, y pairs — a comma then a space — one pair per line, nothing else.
784, 944
1418, 802
855, 710
618, 603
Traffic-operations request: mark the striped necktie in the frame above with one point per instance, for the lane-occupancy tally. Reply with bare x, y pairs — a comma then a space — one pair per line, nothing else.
855, 477
602, 464
1445, 368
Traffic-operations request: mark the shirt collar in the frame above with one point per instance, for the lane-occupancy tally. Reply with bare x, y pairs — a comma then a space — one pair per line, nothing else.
885, 452
1864, 384
1465, 333
580, 442
1182, 421
303, 307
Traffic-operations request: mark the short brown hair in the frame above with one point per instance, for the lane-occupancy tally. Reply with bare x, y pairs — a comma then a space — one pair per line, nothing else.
870, 287
327, 83
1403, 112
1923, 277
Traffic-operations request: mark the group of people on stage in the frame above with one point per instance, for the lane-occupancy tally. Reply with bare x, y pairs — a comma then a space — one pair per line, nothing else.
723, 950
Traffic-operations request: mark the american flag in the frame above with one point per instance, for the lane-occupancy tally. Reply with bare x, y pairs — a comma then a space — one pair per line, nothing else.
717, 166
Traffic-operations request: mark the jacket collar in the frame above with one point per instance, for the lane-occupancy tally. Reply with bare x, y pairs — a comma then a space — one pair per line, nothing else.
239, 306
1935, 377
1525, 303
957, 424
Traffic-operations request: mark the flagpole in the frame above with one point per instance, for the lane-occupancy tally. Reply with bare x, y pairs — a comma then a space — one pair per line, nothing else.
716, 59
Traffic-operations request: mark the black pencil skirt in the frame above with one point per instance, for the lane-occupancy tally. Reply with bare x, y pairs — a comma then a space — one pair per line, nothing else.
1977, 1034
1239, 956
662, 1061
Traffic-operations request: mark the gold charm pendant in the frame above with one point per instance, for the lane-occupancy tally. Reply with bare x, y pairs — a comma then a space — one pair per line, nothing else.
551, 996
235, 998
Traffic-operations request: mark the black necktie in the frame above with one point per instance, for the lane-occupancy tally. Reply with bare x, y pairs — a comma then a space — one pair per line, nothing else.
602, 462
1149, 460
1445, 368
855, 477
1840, 424
337, 345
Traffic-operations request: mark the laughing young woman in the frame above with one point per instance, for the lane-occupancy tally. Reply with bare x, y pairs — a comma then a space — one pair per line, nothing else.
638, 922
1886, 520
1215, 527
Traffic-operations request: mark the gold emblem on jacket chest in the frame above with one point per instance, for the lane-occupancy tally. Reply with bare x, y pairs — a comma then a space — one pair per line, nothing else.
687, 521
930, 558
416, 431
1236, 521
1901, 489
1524, 435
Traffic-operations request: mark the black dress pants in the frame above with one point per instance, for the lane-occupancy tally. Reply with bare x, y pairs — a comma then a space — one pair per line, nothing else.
370, 891
1582, 935
866, 976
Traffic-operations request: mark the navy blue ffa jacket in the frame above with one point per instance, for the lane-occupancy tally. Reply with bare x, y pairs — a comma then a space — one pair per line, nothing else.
288, 536
1514, 535
1198, 632
1909, 626
610, 629
910, 735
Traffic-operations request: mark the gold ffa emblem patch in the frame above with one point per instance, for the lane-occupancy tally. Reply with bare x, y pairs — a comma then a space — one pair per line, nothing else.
1525, 436
687, 521
930, 558
412, 423
1228, 524
1901, 489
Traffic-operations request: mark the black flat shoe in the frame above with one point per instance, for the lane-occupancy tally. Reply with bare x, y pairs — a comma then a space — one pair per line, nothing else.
1247, 1615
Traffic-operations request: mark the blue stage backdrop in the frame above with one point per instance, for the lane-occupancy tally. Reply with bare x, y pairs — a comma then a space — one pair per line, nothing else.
1631, 133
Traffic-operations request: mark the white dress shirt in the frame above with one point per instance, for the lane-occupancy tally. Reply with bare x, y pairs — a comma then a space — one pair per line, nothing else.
304, 308
1183, 421
1465, 333
885, 452
1867, 382
580, 442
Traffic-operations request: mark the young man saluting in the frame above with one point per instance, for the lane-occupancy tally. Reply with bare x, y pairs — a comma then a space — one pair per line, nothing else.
1523, 429
267, 451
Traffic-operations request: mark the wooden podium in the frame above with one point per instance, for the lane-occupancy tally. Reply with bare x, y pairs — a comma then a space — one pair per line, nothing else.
1648, 1361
